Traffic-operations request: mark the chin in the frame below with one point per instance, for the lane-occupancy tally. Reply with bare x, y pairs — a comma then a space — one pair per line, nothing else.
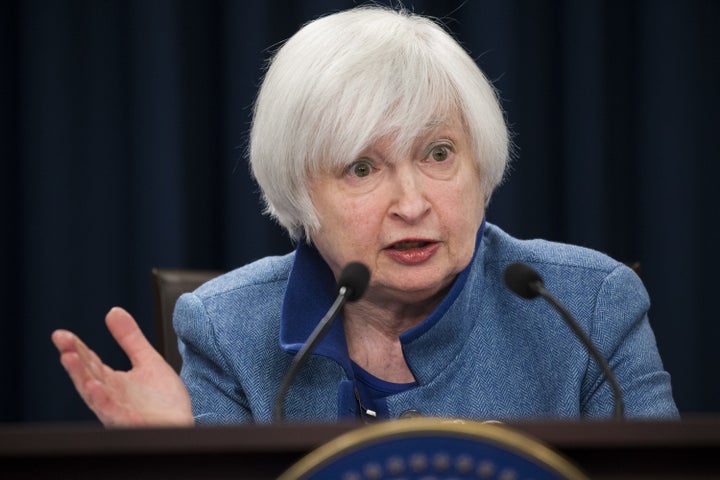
416, 291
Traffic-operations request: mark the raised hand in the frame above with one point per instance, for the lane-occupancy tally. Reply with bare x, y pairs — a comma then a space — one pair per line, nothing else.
149, 394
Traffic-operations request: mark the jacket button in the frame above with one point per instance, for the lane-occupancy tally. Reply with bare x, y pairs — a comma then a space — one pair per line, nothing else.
410, 413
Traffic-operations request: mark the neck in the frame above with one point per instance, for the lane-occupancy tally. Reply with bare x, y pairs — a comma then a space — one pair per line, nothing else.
373, 334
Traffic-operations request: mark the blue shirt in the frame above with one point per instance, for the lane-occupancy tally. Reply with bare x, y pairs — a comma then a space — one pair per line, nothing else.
371, 392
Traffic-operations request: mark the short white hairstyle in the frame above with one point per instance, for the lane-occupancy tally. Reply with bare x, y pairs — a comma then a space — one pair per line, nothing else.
347, 79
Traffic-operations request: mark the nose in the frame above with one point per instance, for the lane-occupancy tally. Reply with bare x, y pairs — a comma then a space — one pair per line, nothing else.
410, 202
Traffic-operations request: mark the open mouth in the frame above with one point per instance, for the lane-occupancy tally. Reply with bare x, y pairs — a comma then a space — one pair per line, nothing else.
412, 251
409, 245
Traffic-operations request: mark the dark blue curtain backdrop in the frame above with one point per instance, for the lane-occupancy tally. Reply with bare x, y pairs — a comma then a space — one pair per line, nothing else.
122, 135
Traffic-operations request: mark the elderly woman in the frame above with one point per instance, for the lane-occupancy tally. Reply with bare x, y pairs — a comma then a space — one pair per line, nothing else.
377, 139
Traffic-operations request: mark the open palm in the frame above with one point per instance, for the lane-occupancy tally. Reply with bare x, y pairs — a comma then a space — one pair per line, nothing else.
149, 394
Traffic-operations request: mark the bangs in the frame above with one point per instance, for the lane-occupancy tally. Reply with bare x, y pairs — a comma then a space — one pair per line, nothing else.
399, 95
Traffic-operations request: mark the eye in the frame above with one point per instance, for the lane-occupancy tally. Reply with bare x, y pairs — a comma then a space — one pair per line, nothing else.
440, 153
361, 168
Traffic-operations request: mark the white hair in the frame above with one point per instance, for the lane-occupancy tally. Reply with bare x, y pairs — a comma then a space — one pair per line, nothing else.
347, 79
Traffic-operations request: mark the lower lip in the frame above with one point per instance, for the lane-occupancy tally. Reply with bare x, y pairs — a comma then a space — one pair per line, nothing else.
413, 256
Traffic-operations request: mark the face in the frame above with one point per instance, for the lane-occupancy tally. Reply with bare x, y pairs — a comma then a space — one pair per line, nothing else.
411, 220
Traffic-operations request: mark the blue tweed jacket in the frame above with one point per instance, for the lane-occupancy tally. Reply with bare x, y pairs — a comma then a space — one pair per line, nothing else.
484, 353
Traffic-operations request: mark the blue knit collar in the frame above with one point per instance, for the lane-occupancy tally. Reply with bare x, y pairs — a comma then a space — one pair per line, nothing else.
310, 292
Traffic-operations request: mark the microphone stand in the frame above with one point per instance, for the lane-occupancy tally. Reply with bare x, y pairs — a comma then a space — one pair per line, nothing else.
594, 352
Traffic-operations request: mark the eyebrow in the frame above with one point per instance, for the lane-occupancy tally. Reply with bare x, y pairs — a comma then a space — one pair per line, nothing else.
435, 122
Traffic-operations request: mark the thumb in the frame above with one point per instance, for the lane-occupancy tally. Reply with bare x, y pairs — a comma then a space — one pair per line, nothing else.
128, 335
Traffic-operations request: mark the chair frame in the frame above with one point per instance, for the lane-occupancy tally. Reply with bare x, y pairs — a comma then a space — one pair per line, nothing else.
168, 284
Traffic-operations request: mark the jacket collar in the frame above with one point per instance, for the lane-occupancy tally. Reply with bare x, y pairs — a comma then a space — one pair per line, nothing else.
311, 291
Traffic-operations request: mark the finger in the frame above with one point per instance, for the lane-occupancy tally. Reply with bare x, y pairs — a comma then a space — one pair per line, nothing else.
127, 333
97, 400
79, 374
63, 340
98, 393
68, 342
105, 406
76, 366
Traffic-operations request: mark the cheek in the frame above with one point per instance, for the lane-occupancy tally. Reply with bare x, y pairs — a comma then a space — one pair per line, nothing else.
361, 220
351, 220
465, 210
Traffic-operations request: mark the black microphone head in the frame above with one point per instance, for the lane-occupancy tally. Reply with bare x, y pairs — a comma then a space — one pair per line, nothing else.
355, 277
522, 279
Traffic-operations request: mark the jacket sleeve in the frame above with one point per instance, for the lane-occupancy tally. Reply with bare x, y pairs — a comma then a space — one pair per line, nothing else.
621, 330
216, 395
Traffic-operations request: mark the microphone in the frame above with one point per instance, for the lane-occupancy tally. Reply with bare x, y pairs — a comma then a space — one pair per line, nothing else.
351, 285
527, 283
